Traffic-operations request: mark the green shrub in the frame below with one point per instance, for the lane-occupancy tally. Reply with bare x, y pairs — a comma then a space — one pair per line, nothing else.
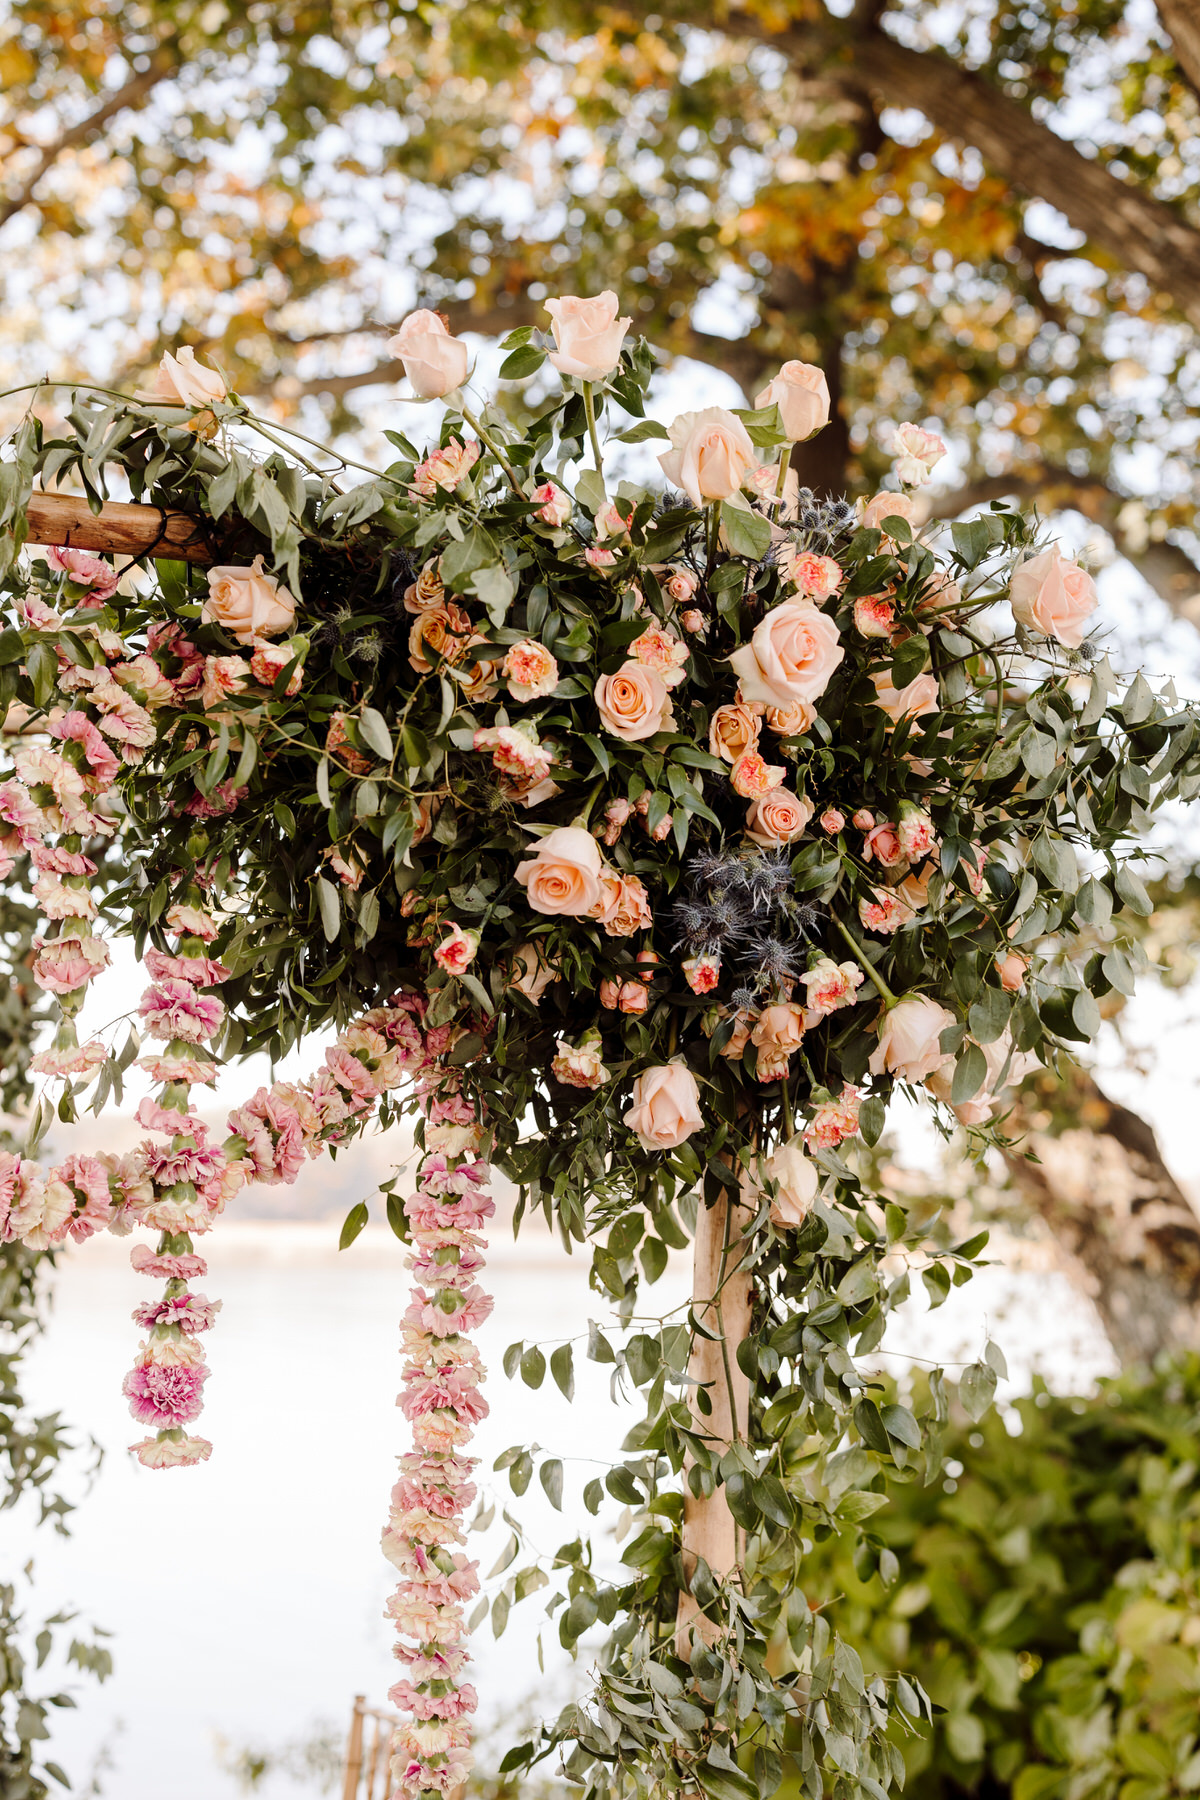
1048, 1596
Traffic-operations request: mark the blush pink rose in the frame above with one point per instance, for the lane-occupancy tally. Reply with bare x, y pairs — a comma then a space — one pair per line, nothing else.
791, 656
801, 393
666, 1106
587, 335
832, 820
249, 603
711, 454
184, 381
909, 1043
634, 703
563, 875
552, 504
796, 1179
888, 506
1053, 597
912, 702
1012, 969
732, 730
434, 360
778, 818
779, 1028
884, 843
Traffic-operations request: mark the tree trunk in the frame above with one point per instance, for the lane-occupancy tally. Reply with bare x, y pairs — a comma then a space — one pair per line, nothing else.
1128, 1234
721, 1300
120, 529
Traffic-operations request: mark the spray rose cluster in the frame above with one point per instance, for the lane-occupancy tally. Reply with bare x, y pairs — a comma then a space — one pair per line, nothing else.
442, 1401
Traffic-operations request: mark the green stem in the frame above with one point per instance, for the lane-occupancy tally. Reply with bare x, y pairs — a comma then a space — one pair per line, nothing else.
589, 407
785, 463
885, 992
478, 427
714, 528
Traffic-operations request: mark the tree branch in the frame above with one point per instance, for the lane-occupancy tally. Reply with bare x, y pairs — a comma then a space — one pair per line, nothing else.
1181, 21
1141, 233
1117, 1215
1169, 570
120, 529
162, 64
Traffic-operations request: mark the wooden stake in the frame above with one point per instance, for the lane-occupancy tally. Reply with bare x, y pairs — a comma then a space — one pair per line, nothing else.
354, 1749
721, 1300
120, 529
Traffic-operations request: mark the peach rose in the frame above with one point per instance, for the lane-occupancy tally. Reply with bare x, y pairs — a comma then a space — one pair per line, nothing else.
888, 506
249, 603
183, 381
434, 360
1053, 597
442, 632
666, 1106
634, 703
733, 730
623, 906
911, 702
563, 875
710, 456
801, 393
791, 721
530, 973
909, 1042
587, 335
427, 592
779, 1027
1012, 969
778, 818
790, 658
797, 1180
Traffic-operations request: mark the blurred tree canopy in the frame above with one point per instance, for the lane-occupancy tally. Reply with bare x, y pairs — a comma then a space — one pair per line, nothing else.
988, 211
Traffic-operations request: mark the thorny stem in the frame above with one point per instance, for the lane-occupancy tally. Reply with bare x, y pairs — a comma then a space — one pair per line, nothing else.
479, 428
589, 407
885, 992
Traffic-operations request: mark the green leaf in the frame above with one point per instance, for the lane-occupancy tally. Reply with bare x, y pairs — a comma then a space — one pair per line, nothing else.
524, 361
970, 1072
641, 432
330, 907
872, 1116
747, 533
1131, 892
372, 729
562, 1368
533, 1367
551, 1477
355, 1219
977, 1389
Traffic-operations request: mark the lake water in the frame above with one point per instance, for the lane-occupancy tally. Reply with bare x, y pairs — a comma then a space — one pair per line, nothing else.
246, 1595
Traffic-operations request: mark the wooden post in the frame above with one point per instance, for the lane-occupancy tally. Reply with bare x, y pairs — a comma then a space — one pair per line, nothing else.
721, 1300
354, 1749
120, 529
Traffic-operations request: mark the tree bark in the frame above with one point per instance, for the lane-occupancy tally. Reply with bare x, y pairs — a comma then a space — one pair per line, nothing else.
1128, 1234
1143, 234
122, 530
721, 1301
1181, 19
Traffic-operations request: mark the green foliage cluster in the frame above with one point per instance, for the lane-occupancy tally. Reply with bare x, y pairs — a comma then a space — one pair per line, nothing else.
1046, 1594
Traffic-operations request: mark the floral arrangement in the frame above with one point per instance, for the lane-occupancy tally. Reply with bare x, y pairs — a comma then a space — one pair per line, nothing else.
644, 839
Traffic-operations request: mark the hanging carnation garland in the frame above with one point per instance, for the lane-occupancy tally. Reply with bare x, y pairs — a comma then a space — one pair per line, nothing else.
641, 842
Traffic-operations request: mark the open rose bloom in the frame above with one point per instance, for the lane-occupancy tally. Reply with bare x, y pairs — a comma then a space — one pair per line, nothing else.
640, 823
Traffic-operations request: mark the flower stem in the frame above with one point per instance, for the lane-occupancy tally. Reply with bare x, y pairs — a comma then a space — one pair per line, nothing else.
785, 463
589, 407
885, 992
481, 431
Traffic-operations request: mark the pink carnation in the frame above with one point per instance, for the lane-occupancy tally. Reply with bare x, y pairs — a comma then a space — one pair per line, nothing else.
885, 912
351, 1074
51, 859
817, 577
167, 1268
165, 1397
76, 727
833, 1121
200, 971
85, 570
472, 1308
702, 973
172, 1452
191, 1312
174, 1009
67, 963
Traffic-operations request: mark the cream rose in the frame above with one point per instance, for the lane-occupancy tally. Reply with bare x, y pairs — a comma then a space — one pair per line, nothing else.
790, 658
184, 381
779, 1028
798, 1180
666, 1106
249, 603
909, 1043
778, 818
434, 360
911, 702
1054, 597
801, 393
530, 973
634, 703
888, 506
587, 335
733, 730
710, 456
563, 875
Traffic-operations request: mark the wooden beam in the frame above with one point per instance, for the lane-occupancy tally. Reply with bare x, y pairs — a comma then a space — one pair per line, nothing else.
119, 529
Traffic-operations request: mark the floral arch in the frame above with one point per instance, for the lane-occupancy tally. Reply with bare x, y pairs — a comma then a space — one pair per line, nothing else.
641, 841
